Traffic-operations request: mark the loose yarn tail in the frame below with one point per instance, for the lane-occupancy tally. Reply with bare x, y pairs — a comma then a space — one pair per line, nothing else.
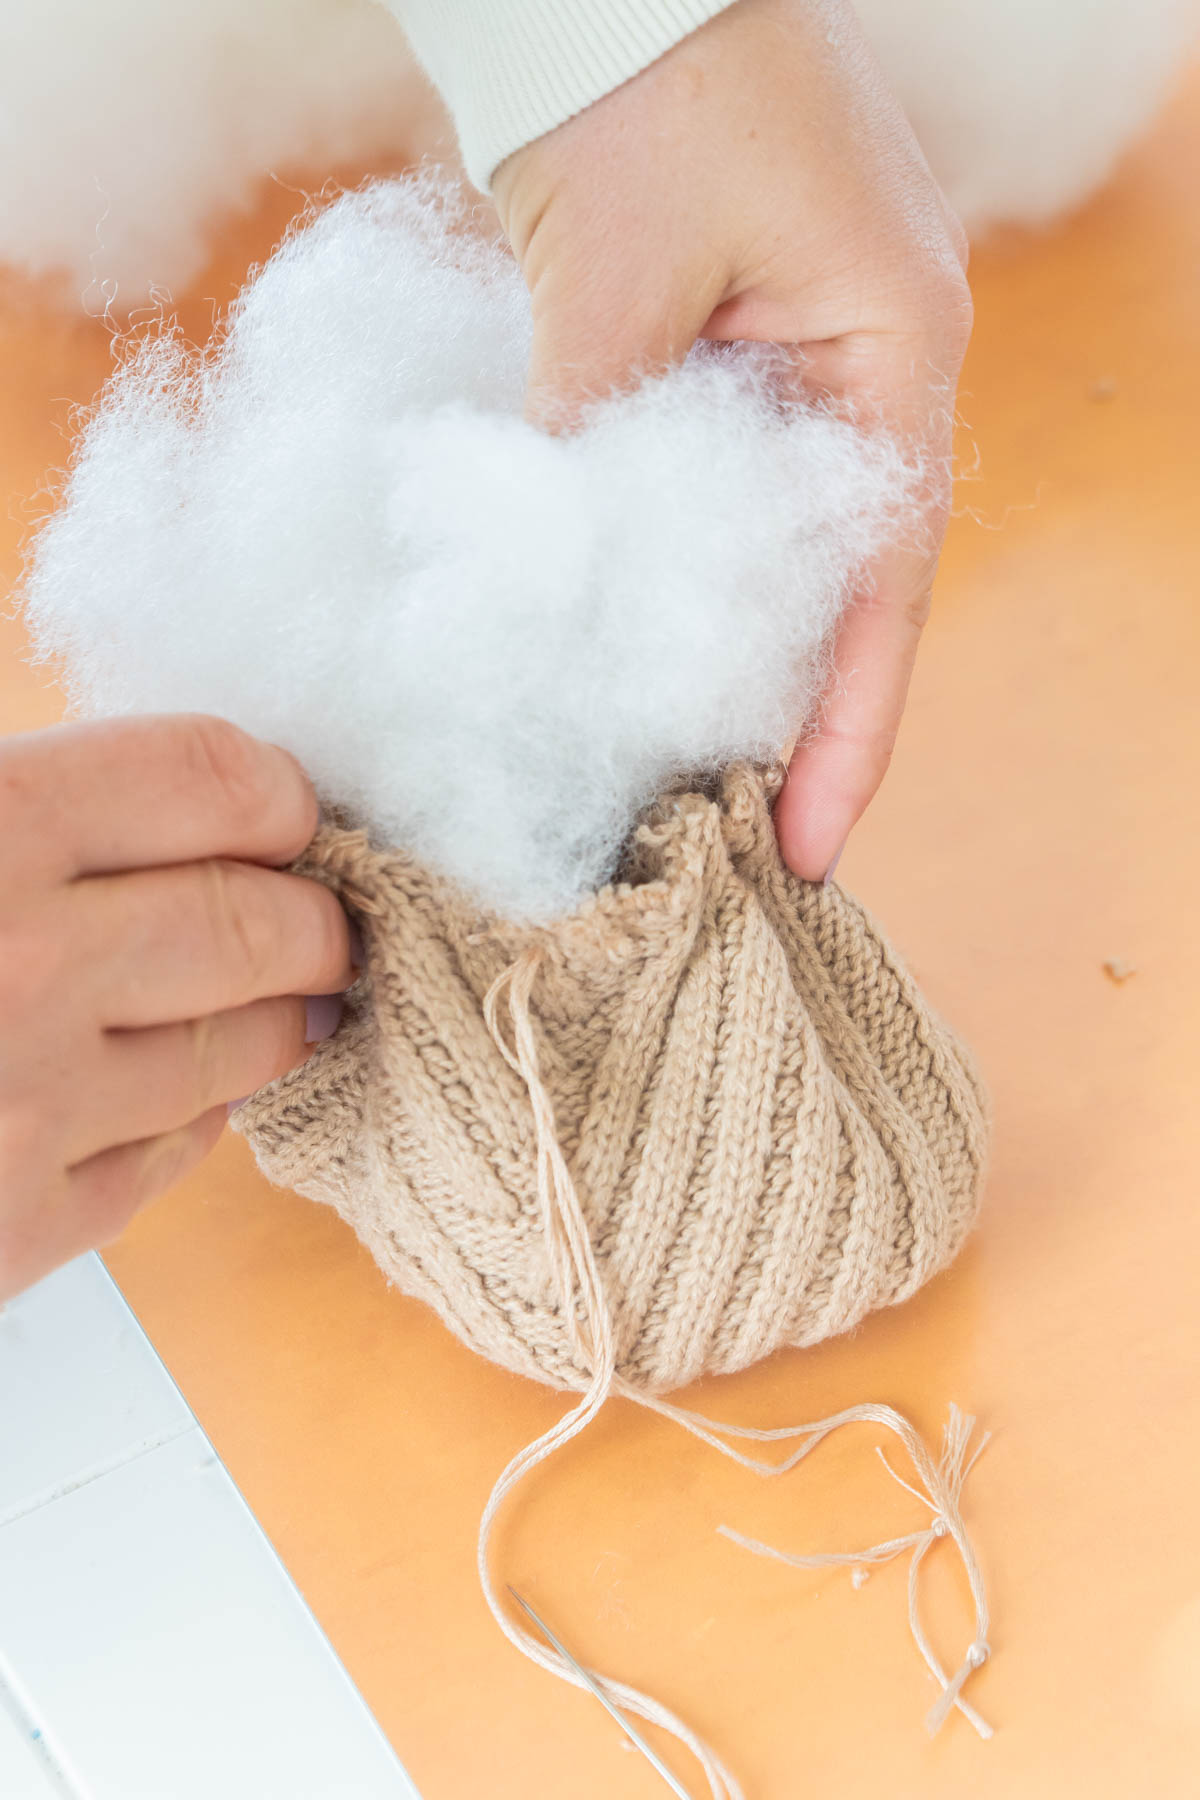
585, 1309
580, 1292
941, 1491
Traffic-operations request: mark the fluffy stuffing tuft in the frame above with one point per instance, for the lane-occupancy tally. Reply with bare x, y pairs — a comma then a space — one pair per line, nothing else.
489, 645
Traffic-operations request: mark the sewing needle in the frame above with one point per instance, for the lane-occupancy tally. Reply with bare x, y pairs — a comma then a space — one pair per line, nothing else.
593, 1687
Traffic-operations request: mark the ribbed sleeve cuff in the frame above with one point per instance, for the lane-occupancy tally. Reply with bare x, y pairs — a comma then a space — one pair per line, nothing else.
510, 70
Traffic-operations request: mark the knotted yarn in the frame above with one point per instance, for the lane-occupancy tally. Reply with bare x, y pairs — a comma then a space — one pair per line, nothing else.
707, 1115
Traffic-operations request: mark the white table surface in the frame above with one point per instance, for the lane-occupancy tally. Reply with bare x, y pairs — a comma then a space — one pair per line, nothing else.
152, 1646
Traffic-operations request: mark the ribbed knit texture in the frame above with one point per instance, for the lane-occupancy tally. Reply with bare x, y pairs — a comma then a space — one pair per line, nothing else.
769, 1130
510, 70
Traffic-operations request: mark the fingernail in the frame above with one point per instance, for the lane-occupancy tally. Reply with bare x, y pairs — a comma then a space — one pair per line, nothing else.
829, 873
322, 1015
231, 1106
358, 950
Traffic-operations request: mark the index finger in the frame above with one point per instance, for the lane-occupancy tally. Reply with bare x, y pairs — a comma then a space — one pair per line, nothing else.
115, 794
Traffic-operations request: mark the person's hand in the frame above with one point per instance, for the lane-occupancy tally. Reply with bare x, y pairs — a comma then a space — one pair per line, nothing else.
150, 955
760, 181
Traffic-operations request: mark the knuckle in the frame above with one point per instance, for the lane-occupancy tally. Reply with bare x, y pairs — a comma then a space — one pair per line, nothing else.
238, 1052
911, 600
244, 928
917, 609
918, 601
282, 1045
230, 760
328, 927
868, 750
206, 1079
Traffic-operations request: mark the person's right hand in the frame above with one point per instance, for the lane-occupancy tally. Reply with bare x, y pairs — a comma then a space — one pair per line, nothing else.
154, 959
760, 181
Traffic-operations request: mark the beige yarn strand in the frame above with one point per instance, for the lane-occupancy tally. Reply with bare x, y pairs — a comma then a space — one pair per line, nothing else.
579, 1286
943, 1484
574, 1265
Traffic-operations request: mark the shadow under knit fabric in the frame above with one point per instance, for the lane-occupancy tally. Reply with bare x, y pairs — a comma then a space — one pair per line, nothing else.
769, 1130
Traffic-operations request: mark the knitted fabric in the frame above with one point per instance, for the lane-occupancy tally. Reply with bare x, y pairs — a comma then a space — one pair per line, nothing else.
769, 1131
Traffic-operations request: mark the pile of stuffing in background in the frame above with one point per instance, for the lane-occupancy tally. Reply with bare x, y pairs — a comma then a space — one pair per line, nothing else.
137, 125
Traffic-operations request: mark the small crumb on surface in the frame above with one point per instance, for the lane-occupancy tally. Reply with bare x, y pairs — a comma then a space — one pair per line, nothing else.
1118, 970
1102, 389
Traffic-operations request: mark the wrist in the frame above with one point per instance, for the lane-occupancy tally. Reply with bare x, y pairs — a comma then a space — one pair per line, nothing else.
512, 70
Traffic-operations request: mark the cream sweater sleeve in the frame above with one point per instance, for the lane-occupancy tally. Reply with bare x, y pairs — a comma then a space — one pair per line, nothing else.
510, 70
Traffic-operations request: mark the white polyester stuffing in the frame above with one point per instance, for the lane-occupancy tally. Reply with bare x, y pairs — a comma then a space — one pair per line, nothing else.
489, 645
1023, 107
130, 128
136, 126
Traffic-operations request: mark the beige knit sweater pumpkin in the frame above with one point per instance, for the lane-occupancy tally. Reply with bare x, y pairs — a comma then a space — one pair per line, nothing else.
769, 1131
